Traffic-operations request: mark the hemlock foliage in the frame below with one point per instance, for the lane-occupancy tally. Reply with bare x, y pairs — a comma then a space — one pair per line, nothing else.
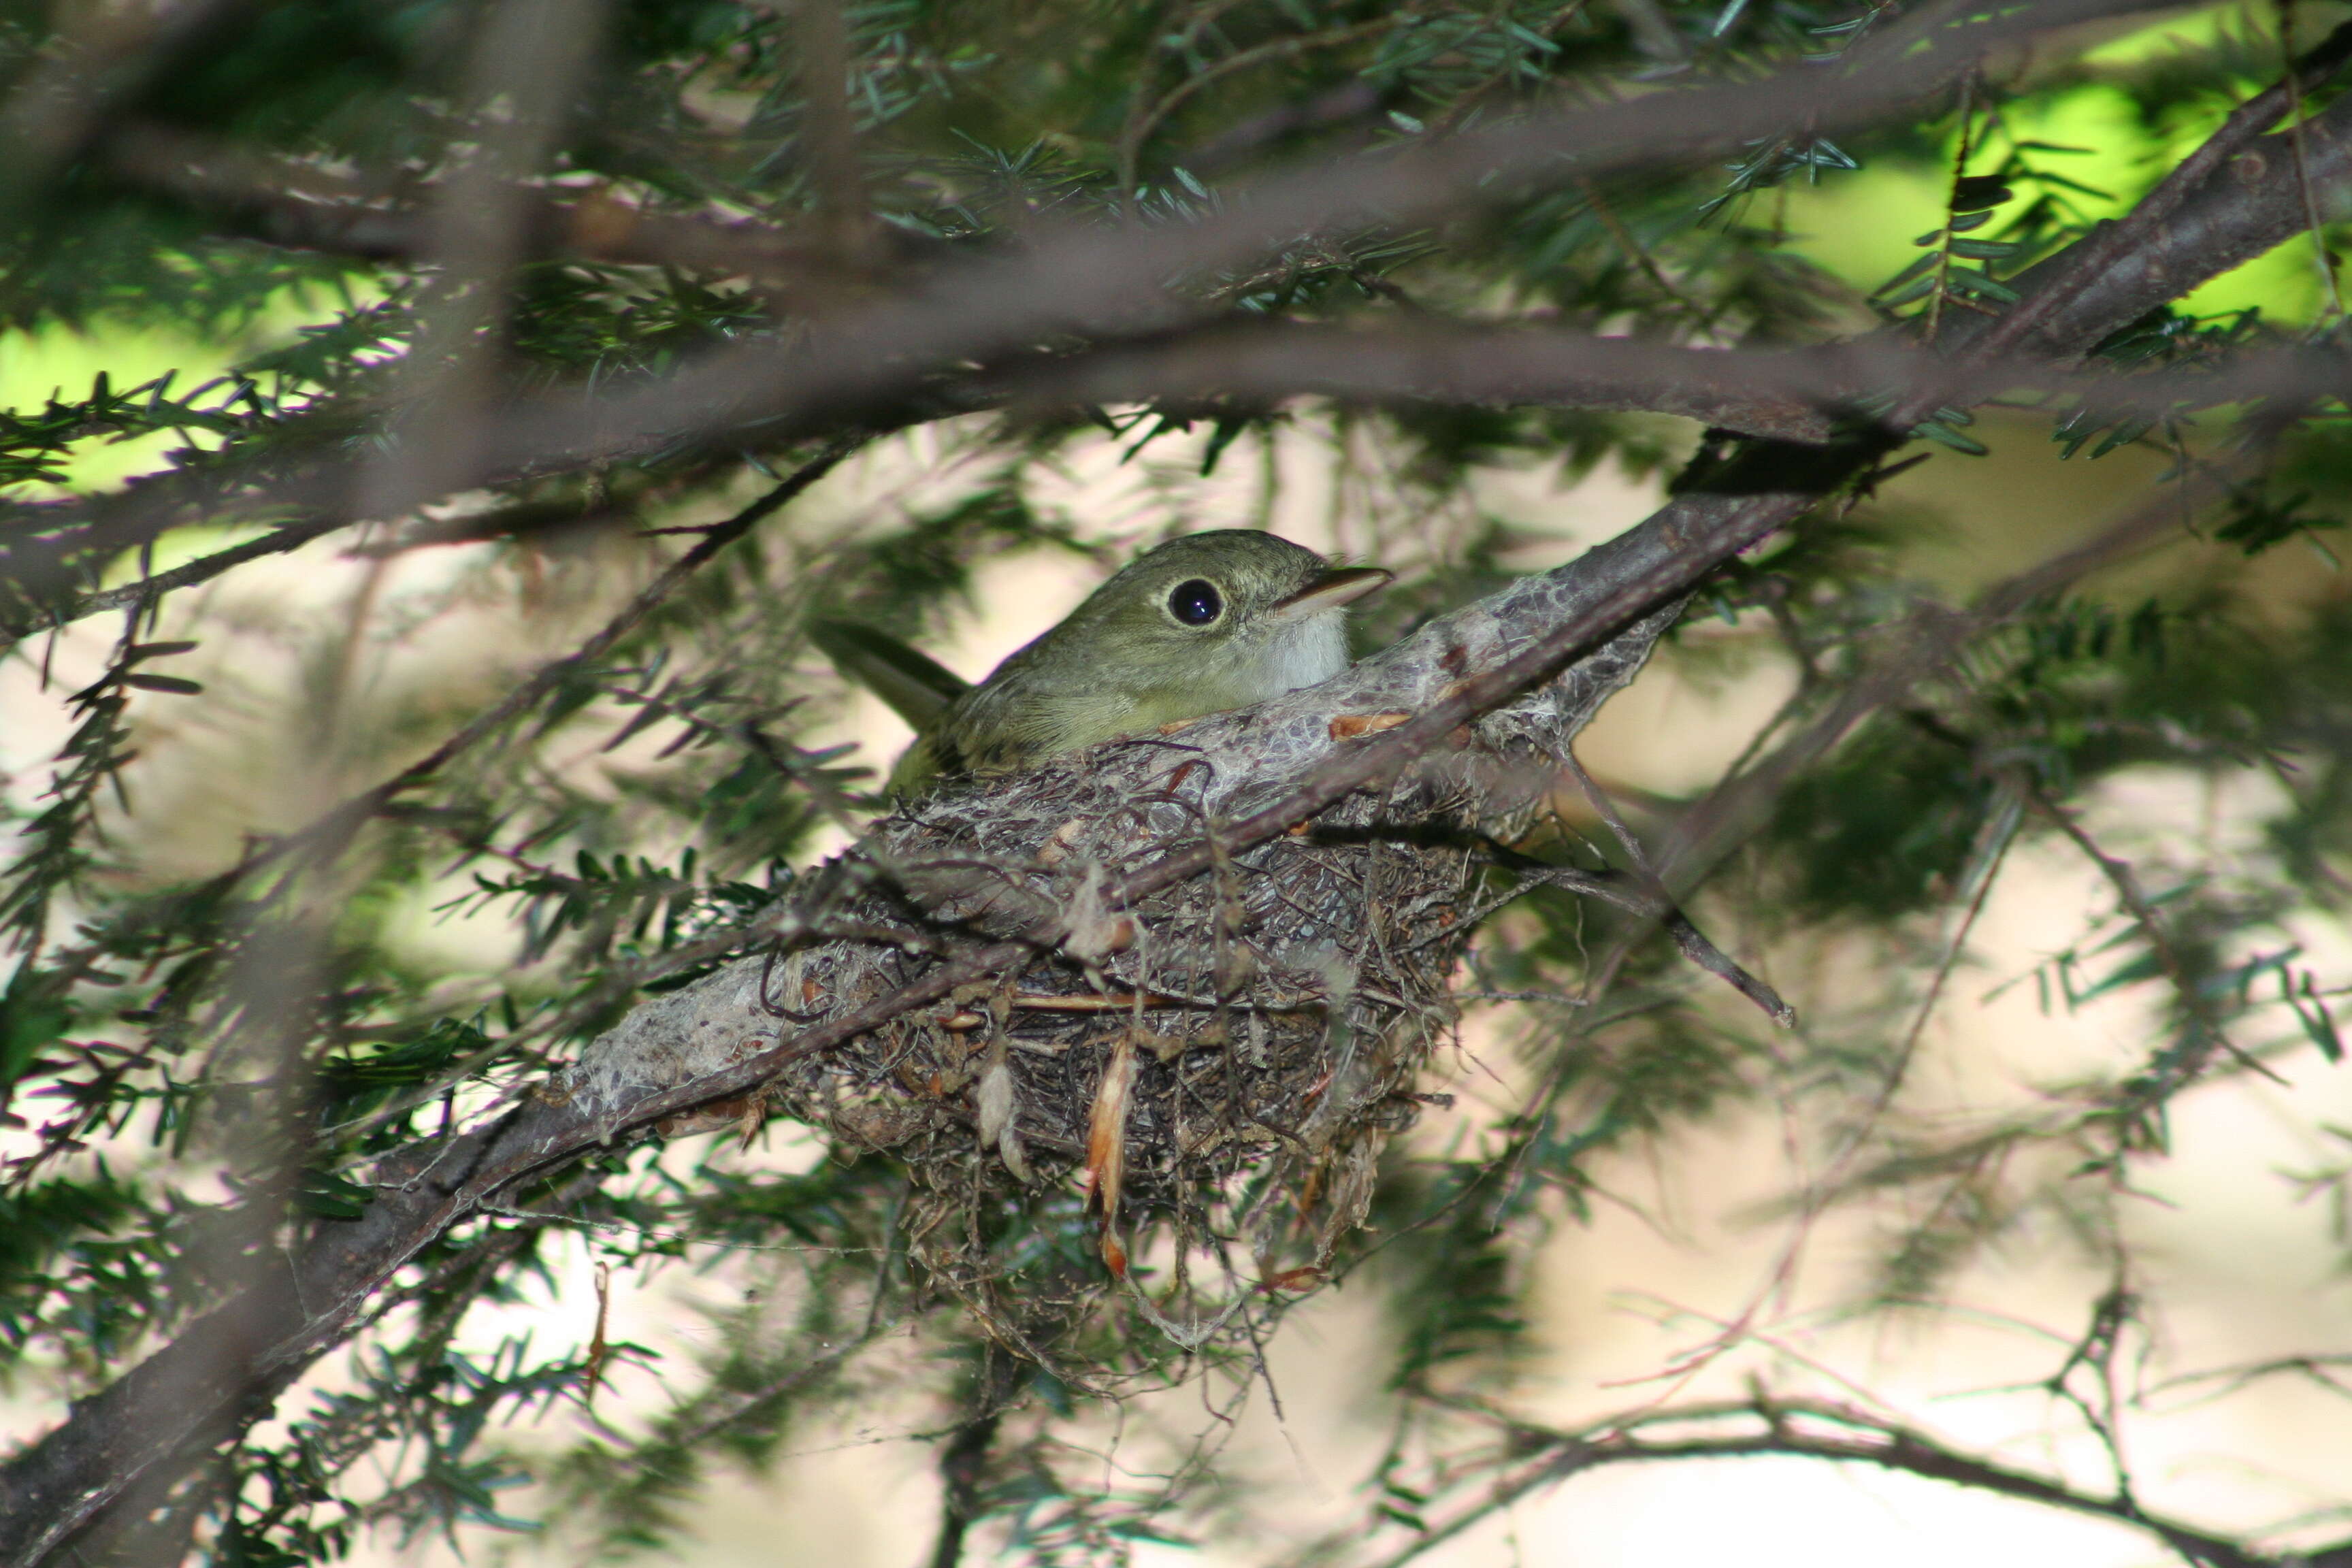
377, 231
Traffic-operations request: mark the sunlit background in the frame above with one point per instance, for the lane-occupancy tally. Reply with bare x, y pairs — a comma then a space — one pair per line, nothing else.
1692, 1273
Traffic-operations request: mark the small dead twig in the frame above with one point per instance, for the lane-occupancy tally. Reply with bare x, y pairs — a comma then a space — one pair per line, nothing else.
2120, 877
1657, 903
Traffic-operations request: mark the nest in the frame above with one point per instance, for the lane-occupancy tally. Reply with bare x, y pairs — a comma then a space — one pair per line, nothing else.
1200, 1077
1197, 1068
1227, 1055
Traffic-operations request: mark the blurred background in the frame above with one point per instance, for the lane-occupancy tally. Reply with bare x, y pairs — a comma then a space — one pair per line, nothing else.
1904, 1208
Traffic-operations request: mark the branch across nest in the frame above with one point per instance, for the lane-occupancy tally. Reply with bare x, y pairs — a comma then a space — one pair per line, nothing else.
1223, 1054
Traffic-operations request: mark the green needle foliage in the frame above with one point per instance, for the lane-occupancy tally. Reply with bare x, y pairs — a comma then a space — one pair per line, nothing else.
408, 293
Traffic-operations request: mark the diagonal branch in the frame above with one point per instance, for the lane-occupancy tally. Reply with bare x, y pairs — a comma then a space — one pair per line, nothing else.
337, 824
1097, 285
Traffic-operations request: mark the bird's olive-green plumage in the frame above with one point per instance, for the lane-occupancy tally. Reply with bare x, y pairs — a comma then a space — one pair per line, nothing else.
1202, 623
918, 687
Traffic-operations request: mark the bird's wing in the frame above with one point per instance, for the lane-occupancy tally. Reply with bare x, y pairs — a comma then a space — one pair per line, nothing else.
917, 687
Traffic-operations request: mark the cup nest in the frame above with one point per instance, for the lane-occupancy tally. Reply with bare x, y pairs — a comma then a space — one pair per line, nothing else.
1222, 1059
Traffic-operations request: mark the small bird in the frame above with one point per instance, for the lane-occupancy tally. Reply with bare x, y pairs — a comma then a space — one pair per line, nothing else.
1202, 623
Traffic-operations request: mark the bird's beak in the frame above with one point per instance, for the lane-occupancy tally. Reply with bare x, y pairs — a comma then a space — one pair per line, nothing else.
1332, 590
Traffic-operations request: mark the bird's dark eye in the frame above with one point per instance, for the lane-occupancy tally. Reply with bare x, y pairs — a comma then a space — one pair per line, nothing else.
1195, 601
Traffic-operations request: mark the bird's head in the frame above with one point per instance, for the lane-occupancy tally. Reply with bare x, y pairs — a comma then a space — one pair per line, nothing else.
1243, 615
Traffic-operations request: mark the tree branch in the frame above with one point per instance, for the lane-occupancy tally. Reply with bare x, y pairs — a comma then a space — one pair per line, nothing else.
1095, 285
1091, 285
1806, 1429
1805, 395
302, 207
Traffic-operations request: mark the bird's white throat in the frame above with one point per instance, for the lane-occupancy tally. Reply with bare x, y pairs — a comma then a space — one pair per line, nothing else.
1305, 652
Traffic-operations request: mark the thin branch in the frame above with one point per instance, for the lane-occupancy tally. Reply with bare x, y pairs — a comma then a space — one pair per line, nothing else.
1924, 646
1631, 243
334, 825
144, 594
2294, 86
1139, 126
1658, 904
2120, 877
1805, 1429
